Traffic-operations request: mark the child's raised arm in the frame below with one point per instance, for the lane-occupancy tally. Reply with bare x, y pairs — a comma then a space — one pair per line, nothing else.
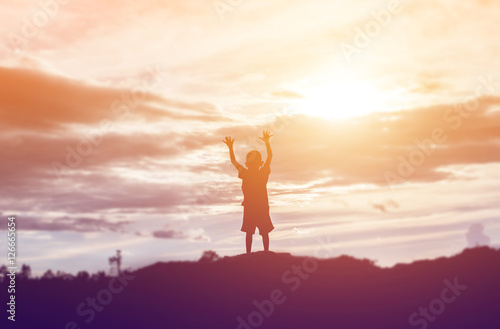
265, 138
229, 142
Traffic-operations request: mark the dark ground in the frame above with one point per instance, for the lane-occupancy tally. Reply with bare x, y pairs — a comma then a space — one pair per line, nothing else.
341, 292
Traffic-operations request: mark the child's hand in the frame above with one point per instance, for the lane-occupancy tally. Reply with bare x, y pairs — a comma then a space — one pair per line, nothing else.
267, 135
229, 142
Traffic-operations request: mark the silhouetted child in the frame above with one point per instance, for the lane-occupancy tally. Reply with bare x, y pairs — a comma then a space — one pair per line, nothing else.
255, 203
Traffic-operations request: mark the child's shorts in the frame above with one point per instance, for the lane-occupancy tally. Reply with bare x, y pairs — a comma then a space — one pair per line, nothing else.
256, 217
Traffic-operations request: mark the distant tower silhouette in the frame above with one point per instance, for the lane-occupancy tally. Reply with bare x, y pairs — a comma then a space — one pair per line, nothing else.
118, 260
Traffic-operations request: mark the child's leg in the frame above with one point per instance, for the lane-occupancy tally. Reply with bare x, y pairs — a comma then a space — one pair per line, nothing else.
249, 242
265, 241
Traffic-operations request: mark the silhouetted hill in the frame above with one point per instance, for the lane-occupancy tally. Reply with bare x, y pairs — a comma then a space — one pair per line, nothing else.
342, 292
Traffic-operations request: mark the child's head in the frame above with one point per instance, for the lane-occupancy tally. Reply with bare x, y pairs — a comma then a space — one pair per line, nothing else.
254, 160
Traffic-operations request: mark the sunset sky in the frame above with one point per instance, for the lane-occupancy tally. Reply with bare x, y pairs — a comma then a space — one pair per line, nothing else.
112, 117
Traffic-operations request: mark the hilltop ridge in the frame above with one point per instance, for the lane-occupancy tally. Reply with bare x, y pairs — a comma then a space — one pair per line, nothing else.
279, 290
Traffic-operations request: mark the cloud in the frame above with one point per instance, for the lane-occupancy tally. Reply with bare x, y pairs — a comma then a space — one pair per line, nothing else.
35, 101
51, 134
301, 231
360, 151
476, 237
385, 206
286, 94
313, 152
194, 235
170, 234
107, 192
75, 224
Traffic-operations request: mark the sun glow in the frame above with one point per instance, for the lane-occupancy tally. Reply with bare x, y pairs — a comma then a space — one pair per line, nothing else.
343, 98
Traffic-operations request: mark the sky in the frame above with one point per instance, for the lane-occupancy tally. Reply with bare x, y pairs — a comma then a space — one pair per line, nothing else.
385, 116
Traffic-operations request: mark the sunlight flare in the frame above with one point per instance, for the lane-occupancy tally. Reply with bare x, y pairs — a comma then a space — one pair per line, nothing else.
343, 98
